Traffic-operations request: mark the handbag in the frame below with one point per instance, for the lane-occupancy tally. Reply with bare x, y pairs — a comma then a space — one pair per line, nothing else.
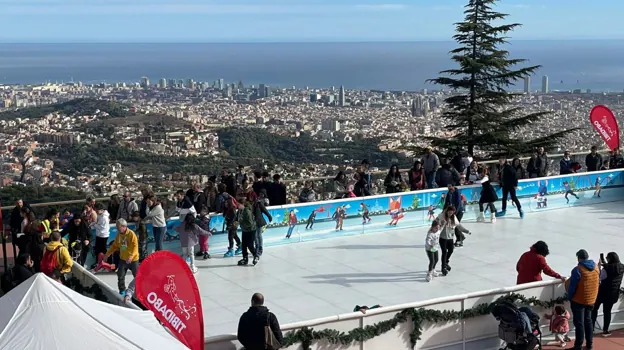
270, 341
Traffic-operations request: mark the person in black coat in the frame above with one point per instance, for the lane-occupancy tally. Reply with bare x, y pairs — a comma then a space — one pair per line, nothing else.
509, 182
252, 322
259, 211
488, 196
78, 231
277, 191
393, 180
447, 175
22, 271
609, 291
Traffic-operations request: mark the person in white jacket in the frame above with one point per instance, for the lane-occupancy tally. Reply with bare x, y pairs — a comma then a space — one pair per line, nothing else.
102, 229
448, 222
432, 245
156, 214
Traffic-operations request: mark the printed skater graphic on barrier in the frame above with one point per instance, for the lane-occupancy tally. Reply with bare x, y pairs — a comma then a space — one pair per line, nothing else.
542, 201
568, 191
395, 211
365, 214
170, 288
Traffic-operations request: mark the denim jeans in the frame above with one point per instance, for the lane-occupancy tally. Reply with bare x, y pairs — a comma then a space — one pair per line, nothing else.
159, 233
583, 327
430, 179
258, 239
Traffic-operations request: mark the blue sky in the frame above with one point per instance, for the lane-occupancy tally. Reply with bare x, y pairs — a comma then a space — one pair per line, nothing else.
290, 20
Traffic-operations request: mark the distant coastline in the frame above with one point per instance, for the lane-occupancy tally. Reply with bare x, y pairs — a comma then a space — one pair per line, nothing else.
401, 65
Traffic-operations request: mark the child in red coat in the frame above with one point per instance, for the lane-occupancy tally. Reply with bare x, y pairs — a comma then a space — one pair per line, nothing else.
559, 324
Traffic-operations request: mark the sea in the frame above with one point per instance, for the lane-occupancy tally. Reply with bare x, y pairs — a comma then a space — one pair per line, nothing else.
597, 65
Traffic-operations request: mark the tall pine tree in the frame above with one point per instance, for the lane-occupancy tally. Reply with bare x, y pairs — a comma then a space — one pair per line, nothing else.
479, 113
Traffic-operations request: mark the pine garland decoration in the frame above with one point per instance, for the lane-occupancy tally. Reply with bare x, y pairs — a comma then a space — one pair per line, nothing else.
95, 291
306, 335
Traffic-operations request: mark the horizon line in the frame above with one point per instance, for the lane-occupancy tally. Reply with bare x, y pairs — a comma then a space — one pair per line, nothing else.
282, 41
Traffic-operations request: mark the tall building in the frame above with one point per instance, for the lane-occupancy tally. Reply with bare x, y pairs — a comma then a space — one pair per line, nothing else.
545, 84
527, 84
341, 96
172, 82
145, 83
190, 83
163, 83
262, 91
221, 84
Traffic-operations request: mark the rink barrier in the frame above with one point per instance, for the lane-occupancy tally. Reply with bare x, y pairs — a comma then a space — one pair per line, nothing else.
88, 279
479, 333
414, 208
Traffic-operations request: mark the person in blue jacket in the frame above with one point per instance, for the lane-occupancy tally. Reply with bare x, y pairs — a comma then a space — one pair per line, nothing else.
453, 198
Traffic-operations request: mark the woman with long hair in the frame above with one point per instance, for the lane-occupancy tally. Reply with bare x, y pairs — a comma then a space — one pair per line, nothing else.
473, 172
532, 263
340, 185
393, 180
521, 172
611, 275
448, 223
189, 237
488, 196
416, 177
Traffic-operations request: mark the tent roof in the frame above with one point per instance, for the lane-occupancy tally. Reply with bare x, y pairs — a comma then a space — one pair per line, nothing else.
43, 314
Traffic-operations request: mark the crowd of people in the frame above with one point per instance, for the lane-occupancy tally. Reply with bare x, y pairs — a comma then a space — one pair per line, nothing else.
590, 286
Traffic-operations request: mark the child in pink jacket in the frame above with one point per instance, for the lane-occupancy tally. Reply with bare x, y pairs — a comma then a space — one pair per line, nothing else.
559, 324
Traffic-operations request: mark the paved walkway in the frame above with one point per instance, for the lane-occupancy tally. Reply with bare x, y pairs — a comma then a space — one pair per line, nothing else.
327, 277
614, 342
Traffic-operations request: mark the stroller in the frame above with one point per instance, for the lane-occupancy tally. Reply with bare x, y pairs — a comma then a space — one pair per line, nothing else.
518, 327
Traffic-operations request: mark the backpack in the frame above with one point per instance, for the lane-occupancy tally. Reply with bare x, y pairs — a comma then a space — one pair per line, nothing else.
49, 263
7, 283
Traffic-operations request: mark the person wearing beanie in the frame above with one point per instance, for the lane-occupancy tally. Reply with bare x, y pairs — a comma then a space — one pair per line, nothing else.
582, 293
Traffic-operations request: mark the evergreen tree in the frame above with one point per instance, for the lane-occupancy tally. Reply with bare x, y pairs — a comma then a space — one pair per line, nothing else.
479, 115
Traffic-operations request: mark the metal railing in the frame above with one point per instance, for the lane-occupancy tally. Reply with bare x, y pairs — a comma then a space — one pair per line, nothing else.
322, 185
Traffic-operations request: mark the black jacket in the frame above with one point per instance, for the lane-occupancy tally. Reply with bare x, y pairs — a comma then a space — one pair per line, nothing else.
390, 188
199, 201
509, 177
593, 162
258, 210
277, 194
21, 273
488, 193
447, 175
610, 287
76, 233
16, 217
251, 328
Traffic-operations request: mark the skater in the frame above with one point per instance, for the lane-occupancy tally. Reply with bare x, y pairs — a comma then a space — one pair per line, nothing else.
189, 232
204, 224
449, 224
509, 182
231, 215
365, 214
126, 245
488, 196
292, 222
568, 190
339, 216
311, 218
432, 245
259, 211
431, 213
453, 198
248, 226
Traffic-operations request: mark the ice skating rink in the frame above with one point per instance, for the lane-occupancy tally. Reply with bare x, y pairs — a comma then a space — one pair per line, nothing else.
327, 277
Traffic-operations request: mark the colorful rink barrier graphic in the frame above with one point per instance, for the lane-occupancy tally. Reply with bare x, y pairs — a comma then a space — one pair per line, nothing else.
388, 212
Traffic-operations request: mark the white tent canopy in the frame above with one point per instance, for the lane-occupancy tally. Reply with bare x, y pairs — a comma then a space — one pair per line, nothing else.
42, 314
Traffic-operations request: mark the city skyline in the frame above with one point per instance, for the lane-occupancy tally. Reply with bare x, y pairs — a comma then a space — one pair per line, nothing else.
287, 21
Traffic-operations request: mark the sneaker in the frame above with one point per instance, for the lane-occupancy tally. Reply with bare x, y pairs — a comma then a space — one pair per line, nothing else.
429, 277
481, 218
436, 273
199, 253
206, 256
521, 214
606, 334
501, 213
243, 262
255, 260
448, 267
563, 344
122, 293
444, 272
493, 219
229, 254
238, 251
194, 269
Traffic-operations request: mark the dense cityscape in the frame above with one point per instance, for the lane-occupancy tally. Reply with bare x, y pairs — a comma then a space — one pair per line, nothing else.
182, 118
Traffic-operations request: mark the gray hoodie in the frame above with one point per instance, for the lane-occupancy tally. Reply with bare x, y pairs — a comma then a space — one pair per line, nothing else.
431, 162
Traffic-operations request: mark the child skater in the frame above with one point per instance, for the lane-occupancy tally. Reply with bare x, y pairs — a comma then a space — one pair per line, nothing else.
204, 224
311, 218
488, 196
189, 232
559, 324
365, 217
432, 245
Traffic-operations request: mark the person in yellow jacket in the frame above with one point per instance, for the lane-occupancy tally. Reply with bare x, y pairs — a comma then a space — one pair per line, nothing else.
56, 261
127, 244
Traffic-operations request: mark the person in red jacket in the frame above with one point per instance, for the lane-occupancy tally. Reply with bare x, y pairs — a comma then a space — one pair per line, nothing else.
532, 263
